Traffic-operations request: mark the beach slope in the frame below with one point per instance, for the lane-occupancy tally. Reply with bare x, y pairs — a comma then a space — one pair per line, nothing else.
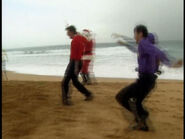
32, 109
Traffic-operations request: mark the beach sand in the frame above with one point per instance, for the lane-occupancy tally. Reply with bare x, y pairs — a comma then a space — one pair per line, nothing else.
32, 109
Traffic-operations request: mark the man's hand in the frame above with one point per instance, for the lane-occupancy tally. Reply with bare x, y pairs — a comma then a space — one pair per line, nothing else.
115, 35
178, 64
121, 42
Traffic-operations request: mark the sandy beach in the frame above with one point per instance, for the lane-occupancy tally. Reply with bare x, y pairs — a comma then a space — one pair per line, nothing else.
32, 109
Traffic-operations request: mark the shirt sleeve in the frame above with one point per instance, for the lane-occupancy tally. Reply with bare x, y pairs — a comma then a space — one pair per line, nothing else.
171, 58
132, 47
150, 49
163, 57
129, 45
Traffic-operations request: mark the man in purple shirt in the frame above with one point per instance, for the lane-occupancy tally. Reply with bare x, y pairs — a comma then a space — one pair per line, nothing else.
132, 96
131, 45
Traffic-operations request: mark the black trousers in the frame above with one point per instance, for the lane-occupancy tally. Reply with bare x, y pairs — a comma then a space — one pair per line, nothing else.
70, 75
136, 92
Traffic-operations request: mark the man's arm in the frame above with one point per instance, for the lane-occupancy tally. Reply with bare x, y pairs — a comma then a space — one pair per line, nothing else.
169, 61
150, 49
115, 35
161, 55
129, 46
129, 43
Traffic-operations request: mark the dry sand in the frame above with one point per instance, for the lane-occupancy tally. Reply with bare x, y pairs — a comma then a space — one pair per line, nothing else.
32, 109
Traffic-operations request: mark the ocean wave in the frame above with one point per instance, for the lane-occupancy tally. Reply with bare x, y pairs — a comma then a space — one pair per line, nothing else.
115, 61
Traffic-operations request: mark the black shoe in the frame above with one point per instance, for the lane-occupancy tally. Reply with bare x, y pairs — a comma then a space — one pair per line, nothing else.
140, 126
66, 102
88, 79
89, 97
89, 82
143, 117
84, 83
83, 78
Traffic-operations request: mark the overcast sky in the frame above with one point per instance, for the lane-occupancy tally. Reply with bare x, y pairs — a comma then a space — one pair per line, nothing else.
42, 22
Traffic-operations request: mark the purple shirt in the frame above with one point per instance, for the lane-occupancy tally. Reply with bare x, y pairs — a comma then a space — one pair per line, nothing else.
148, 53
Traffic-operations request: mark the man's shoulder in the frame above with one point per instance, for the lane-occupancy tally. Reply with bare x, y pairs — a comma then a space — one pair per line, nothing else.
76, 39
79, 37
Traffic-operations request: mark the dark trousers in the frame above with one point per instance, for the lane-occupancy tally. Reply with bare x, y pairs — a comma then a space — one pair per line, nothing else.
136, 92
70, 75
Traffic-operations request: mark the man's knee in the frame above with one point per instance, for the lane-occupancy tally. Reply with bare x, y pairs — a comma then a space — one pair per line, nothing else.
121, 94
122, 99
118, 97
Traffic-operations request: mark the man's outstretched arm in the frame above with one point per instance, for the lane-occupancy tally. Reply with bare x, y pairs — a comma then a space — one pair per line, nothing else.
163, 56
131, 46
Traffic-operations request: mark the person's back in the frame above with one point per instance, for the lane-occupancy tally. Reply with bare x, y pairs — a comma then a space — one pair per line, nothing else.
77, 47
147, 57
151, 38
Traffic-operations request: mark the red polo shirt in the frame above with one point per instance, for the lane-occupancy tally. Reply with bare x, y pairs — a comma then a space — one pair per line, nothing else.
77, 47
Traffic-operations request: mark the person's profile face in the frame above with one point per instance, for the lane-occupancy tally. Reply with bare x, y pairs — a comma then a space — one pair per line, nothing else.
137, 36
70, 34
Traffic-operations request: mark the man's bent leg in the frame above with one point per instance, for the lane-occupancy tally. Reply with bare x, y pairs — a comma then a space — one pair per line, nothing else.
80, 87
125, 94
145, 85
122, 99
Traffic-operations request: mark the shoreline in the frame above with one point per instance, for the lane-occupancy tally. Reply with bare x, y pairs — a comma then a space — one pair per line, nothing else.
12, 76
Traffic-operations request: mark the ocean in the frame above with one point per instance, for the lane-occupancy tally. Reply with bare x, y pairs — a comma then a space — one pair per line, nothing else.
111, 60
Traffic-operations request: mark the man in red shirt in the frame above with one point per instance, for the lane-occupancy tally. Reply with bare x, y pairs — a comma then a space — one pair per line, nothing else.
87, 56
77, 47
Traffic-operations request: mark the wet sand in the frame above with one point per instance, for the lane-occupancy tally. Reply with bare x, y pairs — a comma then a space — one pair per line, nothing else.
32, 109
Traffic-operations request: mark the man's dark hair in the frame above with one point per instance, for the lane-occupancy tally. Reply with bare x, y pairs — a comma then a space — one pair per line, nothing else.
141, 29
71, 29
